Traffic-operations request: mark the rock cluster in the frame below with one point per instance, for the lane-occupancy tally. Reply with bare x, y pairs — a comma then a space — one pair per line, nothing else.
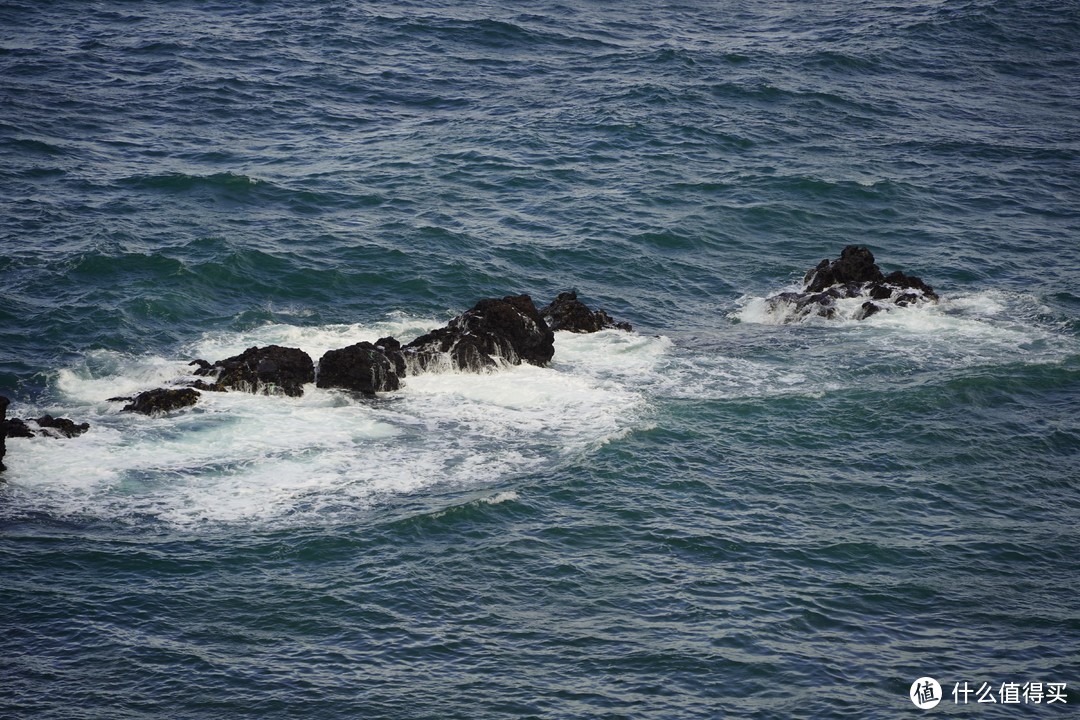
508, 330
853, 275
46, 425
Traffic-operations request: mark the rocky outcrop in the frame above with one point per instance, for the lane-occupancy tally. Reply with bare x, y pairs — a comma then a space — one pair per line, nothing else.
364, 367
162, 400
508, 329
269, 370
60, 427
854, 275
566, 312
46, 425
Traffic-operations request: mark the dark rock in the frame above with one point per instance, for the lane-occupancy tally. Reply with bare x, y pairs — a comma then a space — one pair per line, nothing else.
566, 312
854, 275
362, 367
449, 349
880, 292
208, 387
269, 370
509, 328
391, 348
17, 427
61, 426
910, 282
856, 265
46, 424
866, 310
162, 400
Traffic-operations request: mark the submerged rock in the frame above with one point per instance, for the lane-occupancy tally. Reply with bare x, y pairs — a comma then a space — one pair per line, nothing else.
566, 312
268, 370
162, 400
363, 367
853, 275
509, 329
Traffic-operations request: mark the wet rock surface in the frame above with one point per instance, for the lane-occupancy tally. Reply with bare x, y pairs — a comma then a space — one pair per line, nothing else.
566, 312
61, 427
46, 425
363, 367
853, 275
269, 370
509, 328
162, 400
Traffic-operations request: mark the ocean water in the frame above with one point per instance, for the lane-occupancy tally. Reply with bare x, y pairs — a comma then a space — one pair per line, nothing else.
721, 514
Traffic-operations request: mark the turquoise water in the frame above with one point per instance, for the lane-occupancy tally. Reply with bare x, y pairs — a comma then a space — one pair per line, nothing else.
718, 515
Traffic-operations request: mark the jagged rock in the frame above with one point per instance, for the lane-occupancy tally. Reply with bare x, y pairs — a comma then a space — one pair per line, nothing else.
566, 312
391, 348
853, 275
17, 427
209, 387
60, 426
866, 310
363, 367
509, 328
856, 265
46, 424
269, 370
162, 400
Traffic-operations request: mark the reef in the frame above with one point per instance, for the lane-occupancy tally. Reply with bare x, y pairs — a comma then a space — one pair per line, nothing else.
854, 275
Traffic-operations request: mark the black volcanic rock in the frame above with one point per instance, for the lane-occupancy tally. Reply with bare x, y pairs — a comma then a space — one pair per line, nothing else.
46, 424
16, 428
162, 400
391, 348
855, 265
269, 370
566, 312
509, 328
363, 367
61, 426
853, 275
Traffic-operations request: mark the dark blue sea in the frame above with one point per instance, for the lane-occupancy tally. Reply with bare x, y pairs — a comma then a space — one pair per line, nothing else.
722, 514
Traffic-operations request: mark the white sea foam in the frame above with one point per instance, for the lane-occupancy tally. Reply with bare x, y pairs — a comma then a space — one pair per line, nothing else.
987, 328
241, 457
974, 327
